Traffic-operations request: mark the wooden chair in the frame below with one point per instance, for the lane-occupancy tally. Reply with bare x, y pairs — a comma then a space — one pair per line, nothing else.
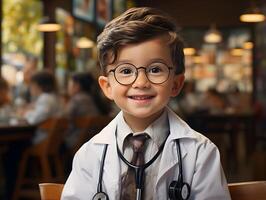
248, 190
89, 126
50, 191
47, 152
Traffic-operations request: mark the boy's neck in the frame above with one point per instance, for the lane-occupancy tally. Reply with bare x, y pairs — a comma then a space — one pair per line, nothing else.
140, 124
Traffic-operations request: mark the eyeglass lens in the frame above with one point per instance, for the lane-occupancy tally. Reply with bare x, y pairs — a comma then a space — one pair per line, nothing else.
127, 73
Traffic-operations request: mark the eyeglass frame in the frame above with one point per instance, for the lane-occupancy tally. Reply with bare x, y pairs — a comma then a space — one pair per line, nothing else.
137, 73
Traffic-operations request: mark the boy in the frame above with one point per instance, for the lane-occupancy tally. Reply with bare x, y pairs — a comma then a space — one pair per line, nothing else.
142, 61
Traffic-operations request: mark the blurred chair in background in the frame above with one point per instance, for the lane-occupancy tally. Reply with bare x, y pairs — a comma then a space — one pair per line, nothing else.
47, 153
248, 190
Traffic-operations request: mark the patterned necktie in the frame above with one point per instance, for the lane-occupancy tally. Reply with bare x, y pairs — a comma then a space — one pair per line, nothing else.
128, 187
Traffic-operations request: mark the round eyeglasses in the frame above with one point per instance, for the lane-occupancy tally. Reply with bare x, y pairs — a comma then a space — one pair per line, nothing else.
127, 73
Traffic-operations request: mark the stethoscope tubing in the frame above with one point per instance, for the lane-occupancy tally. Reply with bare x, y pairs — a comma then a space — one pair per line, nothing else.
99, 187
139, 171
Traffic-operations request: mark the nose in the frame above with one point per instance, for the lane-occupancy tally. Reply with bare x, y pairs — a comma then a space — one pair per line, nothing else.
141, 81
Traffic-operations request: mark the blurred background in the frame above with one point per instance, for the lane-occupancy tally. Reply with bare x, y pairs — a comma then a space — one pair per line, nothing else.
49, 69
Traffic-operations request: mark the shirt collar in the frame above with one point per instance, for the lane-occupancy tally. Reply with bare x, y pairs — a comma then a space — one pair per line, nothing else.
158, 130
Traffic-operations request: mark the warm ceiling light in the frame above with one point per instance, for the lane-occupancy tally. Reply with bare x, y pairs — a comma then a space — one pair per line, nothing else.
213, 35
248, 45
198, 59
48, 25
189, 51
252, 15
84, 43
236, 52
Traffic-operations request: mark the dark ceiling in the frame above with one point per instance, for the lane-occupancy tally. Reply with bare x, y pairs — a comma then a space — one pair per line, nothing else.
202, 13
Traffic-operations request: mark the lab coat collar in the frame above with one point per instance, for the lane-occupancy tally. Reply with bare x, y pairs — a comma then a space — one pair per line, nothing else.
178, 129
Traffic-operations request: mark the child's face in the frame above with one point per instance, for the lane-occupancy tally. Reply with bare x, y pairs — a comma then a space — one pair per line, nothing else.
35, 90
142, 99
72, 88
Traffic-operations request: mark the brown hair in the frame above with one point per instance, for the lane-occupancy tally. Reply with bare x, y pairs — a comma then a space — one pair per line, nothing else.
45, 80
138, 25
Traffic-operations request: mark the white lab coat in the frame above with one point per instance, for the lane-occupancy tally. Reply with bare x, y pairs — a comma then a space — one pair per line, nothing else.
201, 165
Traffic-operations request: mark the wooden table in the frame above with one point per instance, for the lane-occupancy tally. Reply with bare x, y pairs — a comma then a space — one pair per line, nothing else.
11, 133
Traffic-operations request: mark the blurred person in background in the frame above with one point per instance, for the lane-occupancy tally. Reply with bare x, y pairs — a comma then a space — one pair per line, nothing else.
214, 102
22, 91
44, 105
81, 100
85, 100
188, 102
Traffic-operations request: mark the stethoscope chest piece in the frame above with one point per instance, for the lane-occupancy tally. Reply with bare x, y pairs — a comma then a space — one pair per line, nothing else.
100, 196
185, 191
179, 190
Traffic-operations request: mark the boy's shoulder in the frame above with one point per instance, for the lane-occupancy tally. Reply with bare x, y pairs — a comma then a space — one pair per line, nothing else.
180, 129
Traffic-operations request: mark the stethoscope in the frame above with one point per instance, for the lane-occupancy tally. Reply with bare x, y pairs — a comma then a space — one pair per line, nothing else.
178, 190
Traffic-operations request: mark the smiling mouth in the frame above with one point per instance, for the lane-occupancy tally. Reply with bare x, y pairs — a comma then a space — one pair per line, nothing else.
146, 97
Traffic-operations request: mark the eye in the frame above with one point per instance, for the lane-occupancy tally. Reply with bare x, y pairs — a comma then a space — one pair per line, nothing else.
157, 68
125, 70
154, 69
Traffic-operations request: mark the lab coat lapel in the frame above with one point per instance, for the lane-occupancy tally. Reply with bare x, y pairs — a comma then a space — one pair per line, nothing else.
111, 173
169, 157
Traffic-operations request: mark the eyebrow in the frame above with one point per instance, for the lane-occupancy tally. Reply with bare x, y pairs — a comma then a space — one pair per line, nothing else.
150, 61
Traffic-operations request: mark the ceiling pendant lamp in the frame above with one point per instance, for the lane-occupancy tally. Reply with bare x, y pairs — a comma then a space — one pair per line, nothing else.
48, 25
252, 15
189, 51
84, 43
213, 35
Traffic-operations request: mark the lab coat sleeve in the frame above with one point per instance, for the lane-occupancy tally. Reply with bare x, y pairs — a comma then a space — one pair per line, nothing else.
82, 182
209, 181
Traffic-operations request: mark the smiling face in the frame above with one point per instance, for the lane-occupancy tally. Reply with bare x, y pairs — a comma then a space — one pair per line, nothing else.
142, 101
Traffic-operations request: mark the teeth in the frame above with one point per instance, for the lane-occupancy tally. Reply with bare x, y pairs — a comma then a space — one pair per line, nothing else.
140, 97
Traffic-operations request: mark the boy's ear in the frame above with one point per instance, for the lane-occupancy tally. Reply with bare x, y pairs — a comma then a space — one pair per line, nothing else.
178, 84
105, 86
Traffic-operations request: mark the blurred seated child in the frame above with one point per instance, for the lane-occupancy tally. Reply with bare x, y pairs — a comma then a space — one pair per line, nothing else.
43, 90
214, 101
81, 100
84, 100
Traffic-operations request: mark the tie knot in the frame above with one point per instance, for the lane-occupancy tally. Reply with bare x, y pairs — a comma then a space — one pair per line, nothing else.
138, 142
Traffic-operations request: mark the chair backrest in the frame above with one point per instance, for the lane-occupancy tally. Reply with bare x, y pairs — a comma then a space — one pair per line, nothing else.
89, 126
50, 191
56, 128
248, 190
